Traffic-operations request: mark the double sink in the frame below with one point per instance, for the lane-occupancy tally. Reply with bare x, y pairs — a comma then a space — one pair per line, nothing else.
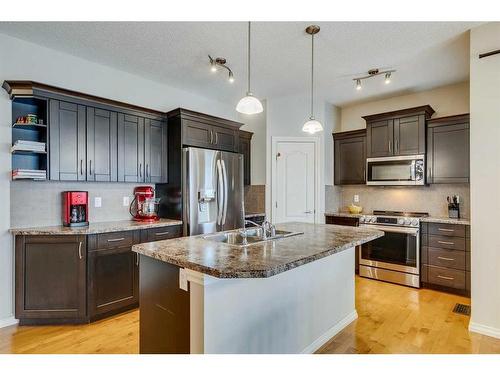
253, 236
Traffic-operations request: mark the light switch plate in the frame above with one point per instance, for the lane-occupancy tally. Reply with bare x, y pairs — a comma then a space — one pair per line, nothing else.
126, 201
356, 198
97, 202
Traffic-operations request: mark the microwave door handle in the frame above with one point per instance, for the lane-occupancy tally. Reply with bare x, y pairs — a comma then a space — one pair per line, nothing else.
412, 170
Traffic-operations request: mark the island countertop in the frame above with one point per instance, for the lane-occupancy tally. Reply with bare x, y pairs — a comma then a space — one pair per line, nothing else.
259, 260
94, 228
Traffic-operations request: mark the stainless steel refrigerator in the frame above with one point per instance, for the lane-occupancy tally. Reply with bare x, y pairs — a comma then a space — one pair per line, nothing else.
212, 191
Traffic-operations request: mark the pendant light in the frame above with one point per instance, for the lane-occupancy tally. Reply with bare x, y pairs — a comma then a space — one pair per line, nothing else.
249, 105
312, 125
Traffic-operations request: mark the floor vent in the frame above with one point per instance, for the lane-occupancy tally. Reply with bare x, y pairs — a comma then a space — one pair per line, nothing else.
462, 309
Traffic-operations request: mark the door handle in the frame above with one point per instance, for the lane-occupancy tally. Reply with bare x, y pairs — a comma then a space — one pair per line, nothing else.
80, 250
444, 258
446, 230
116, 239
446, 243
224, 175
219, 193
308, 212
161, 233
446, 277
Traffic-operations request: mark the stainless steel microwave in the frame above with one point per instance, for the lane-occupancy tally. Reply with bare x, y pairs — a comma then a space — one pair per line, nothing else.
396, 170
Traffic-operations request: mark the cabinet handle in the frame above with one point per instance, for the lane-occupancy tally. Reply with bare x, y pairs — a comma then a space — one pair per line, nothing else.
397, 146
116, 239
444, 258
90, 169
446, 230
147, 170
211, 136
446, 277
81, 166
140, 170
136, 259
216, 138
446, 242
390, 147
161, 233
80, 250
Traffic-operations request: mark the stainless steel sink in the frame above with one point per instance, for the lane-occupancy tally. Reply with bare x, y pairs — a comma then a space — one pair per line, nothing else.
254, 235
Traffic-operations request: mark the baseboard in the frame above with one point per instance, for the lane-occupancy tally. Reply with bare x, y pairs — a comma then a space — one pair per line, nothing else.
484, 330
325, 337
10, 321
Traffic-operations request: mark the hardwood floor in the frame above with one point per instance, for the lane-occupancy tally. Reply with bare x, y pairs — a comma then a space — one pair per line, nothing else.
392, 319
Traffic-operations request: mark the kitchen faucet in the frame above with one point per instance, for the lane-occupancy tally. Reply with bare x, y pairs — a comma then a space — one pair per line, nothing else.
266, 226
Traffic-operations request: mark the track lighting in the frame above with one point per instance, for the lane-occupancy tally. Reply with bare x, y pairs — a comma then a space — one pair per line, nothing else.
373, 73
220, 61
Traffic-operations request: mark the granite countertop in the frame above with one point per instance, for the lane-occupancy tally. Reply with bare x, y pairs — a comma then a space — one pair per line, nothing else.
260, 260
429, 219
94, 228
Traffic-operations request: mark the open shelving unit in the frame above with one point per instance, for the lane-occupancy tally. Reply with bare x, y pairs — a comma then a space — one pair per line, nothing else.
27, 159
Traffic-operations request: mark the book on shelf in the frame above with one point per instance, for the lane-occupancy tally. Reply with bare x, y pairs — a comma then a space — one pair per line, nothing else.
21, 145
37, 174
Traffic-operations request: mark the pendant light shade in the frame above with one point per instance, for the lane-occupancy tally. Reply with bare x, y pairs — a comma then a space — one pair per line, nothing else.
312, 125
249, 104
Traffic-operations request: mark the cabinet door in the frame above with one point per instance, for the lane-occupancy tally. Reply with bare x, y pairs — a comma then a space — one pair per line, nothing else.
448, 154
155, 152
380, 137
51, 277
67, 141
225, 139
130, 148
197, 134
350, 161
409, 135
245, 144
102, 145
113, 280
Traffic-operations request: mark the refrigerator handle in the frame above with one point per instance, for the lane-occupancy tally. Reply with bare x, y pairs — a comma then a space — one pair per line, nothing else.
220, 197
224, 174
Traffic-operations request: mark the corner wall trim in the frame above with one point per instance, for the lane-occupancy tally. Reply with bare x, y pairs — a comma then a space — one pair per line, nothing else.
325, 337
484, 330
10, 321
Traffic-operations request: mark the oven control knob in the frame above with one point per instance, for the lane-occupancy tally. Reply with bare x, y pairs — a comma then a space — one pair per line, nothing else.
362, 219
373, 219
401, 221
414, 222
407, 221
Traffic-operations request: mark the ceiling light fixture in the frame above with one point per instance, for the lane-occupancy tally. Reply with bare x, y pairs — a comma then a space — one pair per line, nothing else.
249, 104
220, 61
373, 73
312, 125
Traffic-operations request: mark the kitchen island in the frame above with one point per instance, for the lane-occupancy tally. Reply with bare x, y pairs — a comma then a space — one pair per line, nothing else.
288, 295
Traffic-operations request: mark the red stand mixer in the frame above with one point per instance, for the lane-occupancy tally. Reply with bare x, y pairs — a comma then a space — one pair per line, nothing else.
144, 206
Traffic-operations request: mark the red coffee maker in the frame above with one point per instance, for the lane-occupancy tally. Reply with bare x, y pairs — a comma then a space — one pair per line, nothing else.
75, 208
144, 206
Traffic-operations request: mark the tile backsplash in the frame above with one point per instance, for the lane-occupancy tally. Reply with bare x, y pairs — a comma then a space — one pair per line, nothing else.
255, 199
39, 203
431, 199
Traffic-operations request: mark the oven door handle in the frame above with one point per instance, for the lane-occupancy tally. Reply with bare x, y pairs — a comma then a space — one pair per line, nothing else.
389, 229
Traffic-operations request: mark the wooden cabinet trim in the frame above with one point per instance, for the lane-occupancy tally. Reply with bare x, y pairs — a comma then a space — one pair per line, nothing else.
427, 110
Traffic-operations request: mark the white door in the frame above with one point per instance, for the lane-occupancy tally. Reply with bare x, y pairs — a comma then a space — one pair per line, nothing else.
295, 181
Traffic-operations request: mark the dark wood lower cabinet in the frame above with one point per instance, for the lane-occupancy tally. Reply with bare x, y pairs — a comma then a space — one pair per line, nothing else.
51, 279
70, 279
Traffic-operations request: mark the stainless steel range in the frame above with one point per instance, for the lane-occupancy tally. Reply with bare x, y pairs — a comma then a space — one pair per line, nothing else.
396, 256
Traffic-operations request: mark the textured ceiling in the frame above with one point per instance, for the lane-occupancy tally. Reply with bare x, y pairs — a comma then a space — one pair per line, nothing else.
425, 54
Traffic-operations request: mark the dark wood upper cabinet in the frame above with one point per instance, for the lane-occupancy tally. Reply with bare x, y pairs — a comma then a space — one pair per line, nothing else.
448, 150
155, 151
67, 141
197, 134
245, 149
130, 148
225, 139
398, 132
350, 157
51, 278
102, 143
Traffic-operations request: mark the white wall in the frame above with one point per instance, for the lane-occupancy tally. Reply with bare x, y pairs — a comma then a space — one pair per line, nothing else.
63, 70
446, 101
285, 117
485, 179
257, 125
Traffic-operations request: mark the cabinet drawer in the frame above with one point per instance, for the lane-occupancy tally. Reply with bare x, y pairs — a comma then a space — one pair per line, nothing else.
446, 242
446, 277
452, 230
447, 258
115, 239
162, 233
341, 220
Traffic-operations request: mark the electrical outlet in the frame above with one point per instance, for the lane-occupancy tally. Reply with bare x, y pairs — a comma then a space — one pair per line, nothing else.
97, 202
356, 198
126, 201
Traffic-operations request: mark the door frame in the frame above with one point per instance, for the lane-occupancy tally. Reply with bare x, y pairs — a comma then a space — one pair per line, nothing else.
317, 152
